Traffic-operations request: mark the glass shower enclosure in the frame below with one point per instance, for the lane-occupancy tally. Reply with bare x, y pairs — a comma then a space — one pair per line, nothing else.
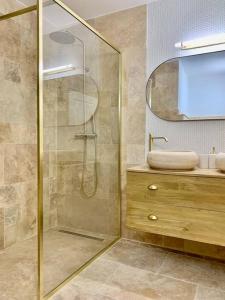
60, 147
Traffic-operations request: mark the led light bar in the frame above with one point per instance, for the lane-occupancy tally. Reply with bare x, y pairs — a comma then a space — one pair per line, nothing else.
60, 69
203, 42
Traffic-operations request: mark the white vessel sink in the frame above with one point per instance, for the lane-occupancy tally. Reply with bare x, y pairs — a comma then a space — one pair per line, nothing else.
173, 160
220, 161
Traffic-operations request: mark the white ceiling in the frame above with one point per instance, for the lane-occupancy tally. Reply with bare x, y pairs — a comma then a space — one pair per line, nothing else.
88, 9
56, 19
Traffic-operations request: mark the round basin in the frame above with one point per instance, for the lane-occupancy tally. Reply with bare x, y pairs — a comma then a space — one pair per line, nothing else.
173, 160
220, 161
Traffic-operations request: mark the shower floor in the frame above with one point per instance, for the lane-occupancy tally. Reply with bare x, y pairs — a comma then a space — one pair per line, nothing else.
63, 254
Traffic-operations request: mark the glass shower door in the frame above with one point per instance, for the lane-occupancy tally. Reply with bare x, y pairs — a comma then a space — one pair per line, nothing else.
81, 205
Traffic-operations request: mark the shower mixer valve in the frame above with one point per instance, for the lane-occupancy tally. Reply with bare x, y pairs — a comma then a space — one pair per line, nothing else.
85, 135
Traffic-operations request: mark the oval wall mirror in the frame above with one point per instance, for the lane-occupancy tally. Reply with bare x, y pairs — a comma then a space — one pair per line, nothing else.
189, 88
83, 100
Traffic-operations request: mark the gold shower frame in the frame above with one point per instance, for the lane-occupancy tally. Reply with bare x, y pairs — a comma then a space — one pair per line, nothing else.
40, 135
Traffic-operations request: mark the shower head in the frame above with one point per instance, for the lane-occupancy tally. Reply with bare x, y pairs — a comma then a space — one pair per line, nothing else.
62, 37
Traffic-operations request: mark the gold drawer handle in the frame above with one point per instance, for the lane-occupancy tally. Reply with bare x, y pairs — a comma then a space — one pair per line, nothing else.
152, 187
152, 218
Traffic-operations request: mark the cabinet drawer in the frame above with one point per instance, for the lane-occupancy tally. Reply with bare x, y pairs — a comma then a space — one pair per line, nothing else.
180, 191
186, 223
182, 206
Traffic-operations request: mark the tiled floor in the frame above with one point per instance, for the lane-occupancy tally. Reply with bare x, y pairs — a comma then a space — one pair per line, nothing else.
63, 254
134, 271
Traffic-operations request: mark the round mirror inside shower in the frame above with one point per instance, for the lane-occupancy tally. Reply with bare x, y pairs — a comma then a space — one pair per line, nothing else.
81, 95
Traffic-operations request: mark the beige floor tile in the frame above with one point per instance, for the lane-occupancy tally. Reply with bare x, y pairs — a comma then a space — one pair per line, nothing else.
137, 255
151, 285
18, 271
204, 272
87, 289
100, 270
64, 253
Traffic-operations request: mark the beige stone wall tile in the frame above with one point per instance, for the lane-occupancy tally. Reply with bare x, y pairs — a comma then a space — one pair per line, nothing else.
94, 217
128, 27
134, 60
69, 178
127, 30
17, 134
135, 128
204, 293
66, 140
1, 228
12, 71
135, 154
18, 115
8, 195
20, 163
9, 6
104, 134
13, 37
20, 103
27, 224
11, 215
50, 138
72, 155
1, 164
10, 235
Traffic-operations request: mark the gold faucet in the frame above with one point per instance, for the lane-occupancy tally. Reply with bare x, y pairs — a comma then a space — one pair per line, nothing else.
152, 138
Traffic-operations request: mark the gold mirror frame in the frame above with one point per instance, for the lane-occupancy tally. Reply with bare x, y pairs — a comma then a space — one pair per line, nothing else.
148, 96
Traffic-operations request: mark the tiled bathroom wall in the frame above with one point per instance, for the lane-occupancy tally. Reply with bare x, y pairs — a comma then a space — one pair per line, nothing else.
18, 132
51, 94
129, 34
18, 195
127, 30
10, 6
70, 205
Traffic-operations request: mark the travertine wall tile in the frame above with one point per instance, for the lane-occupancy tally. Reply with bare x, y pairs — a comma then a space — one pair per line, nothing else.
2, 231
18, 134
127, 31
20, 163
75, 209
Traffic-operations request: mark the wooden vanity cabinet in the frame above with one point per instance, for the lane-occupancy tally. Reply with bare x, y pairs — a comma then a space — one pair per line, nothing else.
187, 207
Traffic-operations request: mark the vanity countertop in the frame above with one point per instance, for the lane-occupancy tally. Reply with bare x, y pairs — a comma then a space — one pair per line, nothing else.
196, 172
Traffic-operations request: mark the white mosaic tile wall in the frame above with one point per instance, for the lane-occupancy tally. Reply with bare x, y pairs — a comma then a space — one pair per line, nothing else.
169, 22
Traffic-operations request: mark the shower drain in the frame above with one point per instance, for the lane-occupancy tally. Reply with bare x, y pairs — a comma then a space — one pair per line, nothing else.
81, 235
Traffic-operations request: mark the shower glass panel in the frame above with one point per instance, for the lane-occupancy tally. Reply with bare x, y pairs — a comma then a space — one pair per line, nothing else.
18, 154
81, 205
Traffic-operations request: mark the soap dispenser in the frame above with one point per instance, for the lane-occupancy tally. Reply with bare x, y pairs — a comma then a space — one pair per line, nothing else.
212, 159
